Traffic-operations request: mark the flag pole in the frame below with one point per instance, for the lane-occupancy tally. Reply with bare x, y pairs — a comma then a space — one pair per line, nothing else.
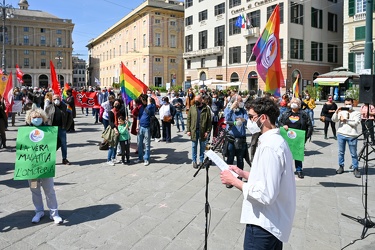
247, 65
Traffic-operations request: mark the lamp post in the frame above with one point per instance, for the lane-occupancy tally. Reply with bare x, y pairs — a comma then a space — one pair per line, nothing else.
7, 11
59, 64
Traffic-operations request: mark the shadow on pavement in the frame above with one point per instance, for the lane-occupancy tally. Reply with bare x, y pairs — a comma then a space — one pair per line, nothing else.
312, 152
171, 155
319, 172
90, 161
22, 219
338, 184
322, 144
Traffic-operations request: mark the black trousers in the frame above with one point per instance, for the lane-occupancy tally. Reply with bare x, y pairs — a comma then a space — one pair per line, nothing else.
125, 150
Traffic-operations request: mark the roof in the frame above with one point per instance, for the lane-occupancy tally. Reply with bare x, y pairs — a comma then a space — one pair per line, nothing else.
339, 72
34, 13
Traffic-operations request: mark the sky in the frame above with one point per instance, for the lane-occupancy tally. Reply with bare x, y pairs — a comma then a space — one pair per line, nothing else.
91, 18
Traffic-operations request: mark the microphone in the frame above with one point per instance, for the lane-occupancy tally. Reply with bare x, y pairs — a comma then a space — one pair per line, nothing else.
235, 123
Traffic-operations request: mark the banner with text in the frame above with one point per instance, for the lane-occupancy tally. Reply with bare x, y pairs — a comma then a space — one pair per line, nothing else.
35, 153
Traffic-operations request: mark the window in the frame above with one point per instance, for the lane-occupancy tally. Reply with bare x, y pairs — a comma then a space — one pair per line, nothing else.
316, 18
203, 39
360, 6
188, 3
43, 62
332, 22
359, 62
281, 48
332, 53
135, 62
144, 78
219, 9
188, 64
296, 13
157, 13
360, 33
189, 20
254, 18
219, 35
135, 44
26, 62
281, 9
119, 50
42, 30
233, 29
333, 1
235, 55
58, 41
25, 29
173, 60
59, 32
127, 47
43, 52
25, 40
234, 3
157, 39
114, 52
189, 43
157, 21
249, 50
42, 40
203, 15
144, 40
173, 41
296, 48
316, 51
219, 61
172, 23
26, 52
203, 62
157, 59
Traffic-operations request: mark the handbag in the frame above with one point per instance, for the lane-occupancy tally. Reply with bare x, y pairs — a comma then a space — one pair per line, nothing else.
104, 145
167, 118
322, 118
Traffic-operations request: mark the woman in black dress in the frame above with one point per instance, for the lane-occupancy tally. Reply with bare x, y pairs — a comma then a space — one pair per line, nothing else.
329, 108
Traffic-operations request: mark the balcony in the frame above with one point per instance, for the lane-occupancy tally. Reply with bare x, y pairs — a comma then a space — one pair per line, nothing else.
252, 32
360, 16
218, 50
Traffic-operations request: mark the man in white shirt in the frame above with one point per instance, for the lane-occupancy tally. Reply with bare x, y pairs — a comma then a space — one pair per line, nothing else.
270, 192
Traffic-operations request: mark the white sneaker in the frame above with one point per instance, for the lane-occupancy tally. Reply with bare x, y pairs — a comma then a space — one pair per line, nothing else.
57, 219
37, 217
146, 163
116, 161
110, 163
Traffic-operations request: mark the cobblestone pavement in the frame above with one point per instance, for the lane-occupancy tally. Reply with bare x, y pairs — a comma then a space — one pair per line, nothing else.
161, 206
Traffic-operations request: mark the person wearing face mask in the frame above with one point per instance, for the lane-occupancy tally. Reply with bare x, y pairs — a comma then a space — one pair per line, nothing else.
190, 97
113, 116
270, 191
198, 127
107, 106
367, 121
216, 108
71, 107
60, 117
347, 132
236, 138
17, 99
178, 104
297, 119
167, 113
37, 117
310, 102
329, 108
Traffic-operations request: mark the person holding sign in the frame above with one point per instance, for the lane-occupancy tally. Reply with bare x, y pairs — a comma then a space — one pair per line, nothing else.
297, 119
270, 193
37, 117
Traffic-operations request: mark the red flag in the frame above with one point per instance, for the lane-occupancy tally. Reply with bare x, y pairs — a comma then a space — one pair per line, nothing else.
1, 72
19, 74
55, 83
8, 95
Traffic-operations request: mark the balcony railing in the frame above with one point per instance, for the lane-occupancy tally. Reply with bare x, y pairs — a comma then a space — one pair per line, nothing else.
252, 32
218, 50
360, 16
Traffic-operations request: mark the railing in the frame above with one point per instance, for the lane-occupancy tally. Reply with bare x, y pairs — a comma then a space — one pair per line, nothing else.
252, 32
360, 16
204, 52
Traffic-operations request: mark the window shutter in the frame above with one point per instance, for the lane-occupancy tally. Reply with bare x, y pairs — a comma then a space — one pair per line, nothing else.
351, 62
351, 9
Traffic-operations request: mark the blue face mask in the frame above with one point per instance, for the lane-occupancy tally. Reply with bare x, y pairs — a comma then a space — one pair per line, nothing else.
37, 121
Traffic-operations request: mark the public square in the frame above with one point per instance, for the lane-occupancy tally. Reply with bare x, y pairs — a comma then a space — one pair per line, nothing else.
161, 206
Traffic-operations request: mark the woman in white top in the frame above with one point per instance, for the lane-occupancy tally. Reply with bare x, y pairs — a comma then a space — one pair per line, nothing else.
166, 112
107, 106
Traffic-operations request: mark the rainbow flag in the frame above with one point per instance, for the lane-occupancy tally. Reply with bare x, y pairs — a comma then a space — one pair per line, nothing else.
65, 96
131, 87
296, 87
267, 52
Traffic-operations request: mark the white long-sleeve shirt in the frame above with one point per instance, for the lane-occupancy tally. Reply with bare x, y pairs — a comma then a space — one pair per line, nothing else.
349, 127
270, 193
165, 110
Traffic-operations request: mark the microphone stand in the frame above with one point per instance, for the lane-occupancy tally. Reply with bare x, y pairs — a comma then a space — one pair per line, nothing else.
206, 164
366, 221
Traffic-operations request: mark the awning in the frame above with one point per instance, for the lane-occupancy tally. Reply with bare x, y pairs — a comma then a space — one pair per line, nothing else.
334, 81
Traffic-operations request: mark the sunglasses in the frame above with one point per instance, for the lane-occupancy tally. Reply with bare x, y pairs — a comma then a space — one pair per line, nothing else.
251, 117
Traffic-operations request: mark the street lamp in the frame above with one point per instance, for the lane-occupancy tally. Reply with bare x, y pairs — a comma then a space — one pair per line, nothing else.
7, 11
59, 64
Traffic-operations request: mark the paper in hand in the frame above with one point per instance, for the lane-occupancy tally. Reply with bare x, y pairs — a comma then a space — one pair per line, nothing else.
219, 162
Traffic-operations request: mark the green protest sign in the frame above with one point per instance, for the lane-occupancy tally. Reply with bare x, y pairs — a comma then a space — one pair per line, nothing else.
35, 153
296, 141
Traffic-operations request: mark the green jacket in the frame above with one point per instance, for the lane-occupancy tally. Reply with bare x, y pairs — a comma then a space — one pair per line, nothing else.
205, 124
123, 131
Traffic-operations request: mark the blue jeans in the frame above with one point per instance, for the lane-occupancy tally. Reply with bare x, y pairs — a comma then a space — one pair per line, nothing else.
178, 116
95, 112
342, 140
257, 238
62, 137
239, 153
105, 123
202, 148
310, 113
144, 136
111, 153
298, 165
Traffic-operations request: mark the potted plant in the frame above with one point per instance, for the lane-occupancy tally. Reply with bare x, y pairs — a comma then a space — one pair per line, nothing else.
353, 92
